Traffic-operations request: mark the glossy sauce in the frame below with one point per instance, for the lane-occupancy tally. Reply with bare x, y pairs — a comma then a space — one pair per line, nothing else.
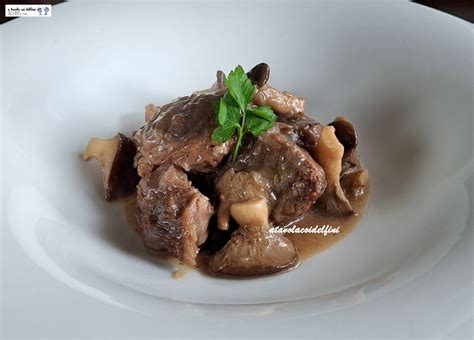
307, 245
129, 208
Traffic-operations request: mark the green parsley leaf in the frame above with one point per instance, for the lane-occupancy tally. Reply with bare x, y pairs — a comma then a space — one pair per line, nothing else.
224, 132
222, 112
257, 125
248, 88
233, 111
264, 112
240, 87
233, 114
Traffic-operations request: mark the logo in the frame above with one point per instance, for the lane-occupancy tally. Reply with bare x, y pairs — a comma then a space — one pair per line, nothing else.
27, 10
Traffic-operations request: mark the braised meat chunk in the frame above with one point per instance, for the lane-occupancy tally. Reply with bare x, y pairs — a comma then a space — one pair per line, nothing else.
276, 168
173, 214
180, 133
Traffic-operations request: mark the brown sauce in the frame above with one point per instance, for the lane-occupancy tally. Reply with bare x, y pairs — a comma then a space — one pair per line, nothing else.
129, 208
307, 244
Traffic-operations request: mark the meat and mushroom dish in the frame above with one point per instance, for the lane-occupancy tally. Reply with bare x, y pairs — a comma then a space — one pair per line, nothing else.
216, 175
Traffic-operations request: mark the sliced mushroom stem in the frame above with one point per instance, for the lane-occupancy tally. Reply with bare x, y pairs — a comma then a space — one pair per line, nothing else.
328, 154
253, 212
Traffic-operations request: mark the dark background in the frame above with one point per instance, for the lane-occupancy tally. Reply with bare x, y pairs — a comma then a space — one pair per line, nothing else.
461, 8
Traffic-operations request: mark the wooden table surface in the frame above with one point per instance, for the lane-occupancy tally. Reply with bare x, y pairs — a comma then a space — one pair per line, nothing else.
461, 8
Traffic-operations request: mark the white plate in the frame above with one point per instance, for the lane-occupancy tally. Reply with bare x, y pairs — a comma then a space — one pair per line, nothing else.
400, 72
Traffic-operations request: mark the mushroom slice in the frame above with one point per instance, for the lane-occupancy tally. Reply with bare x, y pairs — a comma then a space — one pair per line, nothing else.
253, 250
329, 153
283, 103
115, 155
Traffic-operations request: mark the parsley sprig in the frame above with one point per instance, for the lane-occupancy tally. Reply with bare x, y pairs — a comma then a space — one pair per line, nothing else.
235, 114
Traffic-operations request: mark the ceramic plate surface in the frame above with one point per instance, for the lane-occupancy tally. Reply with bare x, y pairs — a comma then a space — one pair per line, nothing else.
401, 72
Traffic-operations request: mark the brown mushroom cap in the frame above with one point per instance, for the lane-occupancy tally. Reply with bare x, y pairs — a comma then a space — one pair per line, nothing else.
259, 74
116, 156
253, 253
345, 133
253, 250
